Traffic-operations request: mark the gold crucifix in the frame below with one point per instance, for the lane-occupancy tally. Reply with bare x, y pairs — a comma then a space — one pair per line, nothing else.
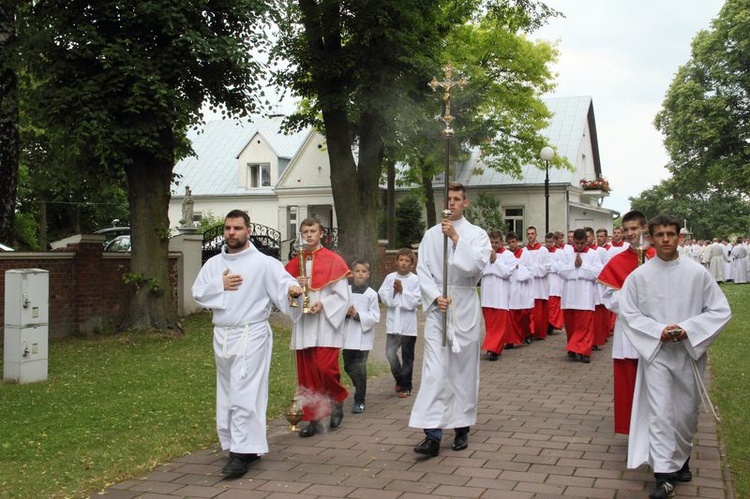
446, 85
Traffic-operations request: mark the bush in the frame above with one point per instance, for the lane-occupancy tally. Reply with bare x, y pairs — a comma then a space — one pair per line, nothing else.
409, 223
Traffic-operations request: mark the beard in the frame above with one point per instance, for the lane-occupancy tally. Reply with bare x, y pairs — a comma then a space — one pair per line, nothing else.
236, 244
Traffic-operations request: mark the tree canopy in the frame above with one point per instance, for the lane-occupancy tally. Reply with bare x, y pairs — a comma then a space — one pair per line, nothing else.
363, 67
705, 116
115, 85
705, 119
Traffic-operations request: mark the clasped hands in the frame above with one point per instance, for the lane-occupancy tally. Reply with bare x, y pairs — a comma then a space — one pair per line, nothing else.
673, 333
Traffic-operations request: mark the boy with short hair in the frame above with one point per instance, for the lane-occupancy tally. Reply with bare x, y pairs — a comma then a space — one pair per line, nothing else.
495, 293
400, 292
363, 314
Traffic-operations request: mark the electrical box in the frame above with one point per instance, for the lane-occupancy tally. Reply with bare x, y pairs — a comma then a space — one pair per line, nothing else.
25, 351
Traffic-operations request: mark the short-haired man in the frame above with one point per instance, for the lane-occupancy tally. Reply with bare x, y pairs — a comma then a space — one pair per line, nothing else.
579, 270
674, 310
240, 284
447, 397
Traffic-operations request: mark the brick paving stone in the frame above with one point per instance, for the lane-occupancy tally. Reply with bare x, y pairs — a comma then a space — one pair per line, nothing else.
544, 430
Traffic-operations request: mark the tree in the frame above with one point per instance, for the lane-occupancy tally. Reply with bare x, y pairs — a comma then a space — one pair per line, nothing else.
409, 224
9, 135
363, 67
705, 116
119, 82
708, 214
485, 212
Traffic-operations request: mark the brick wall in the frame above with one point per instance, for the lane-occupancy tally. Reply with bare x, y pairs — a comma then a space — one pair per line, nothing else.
86, 292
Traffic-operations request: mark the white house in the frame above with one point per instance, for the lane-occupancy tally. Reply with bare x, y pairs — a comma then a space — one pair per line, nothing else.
281, 179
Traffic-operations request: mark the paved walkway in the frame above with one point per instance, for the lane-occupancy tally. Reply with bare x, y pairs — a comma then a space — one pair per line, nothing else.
544, 431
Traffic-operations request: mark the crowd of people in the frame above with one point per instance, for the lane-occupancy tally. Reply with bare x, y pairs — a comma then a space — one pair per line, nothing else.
592, 287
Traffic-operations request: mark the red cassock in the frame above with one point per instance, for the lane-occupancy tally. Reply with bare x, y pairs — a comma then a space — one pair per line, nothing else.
318, 373
613, 275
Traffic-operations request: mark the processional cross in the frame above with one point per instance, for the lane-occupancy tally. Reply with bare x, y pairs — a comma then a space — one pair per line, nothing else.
447, 133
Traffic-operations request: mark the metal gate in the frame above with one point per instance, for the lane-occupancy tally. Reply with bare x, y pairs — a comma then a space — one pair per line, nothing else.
264, 238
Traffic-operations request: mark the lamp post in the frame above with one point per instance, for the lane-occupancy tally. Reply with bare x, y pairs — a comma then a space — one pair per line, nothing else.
547, 153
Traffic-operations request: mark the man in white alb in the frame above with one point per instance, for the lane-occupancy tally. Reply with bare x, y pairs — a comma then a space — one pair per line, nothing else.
449, 389
673, 311
241, 285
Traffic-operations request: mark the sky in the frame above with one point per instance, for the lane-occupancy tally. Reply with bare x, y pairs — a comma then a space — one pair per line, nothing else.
624, 54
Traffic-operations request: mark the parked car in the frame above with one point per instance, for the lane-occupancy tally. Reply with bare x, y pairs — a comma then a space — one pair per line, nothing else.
120, 244
112, 232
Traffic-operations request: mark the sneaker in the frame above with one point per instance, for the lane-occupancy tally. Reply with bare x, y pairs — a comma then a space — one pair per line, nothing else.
404, 393
663, 490
358, 408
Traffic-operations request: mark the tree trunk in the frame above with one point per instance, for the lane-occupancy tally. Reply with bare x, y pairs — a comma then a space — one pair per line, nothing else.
390, 204
152, 306
9, 135
358, 235
429, 200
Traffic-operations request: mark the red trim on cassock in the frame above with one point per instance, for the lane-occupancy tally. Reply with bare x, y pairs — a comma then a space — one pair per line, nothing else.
620, 266
327, 267
624, 387
495, 320
540, 319
319, 379
555, 312
579, 324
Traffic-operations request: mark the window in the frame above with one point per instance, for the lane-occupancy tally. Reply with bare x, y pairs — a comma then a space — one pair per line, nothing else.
259, 175
514, 221
292, 218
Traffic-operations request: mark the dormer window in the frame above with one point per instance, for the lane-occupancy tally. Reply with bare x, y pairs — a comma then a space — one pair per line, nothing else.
259, 175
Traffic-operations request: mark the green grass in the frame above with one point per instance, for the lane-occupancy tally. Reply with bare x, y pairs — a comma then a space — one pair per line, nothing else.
116, 406
730, 390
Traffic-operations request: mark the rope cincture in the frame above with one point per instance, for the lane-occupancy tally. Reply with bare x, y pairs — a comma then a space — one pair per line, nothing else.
705, 399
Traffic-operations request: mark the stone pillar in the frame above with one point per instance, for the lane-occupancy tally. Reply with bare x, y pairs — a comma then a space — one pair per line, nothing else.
189, 263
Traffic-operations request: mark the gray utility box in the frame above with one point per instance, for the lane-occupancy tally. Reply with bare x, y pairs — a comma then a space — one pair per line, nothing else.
26, 348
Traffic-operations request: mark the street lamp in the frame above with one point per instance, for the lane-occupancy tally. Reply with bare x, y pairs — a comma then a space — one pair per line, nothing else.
547, 153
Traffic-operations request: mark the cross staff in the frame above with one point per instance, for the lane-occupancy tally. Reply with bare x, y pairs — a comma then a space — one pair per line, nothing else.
447, 134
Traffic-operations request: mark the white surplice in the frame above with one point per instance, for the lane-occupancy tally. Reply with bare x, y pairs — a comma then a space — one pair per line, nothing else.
449, 389
242, 341
496, 281
665, 408
360, 334
401, 316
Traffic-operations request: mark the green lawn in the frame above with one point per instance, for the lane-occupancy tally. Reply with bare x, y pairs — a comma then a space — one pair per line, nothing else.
116, 406
730, 391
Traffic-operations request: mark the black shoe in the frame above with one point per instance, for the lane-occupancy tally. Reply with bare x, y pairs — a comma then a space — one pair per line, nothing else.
310, 430
492, 356
461, 441
428, 446
509, 346
238, 464
595, 348
684, 475
664, 487
572, 355
528, 340
585, 359
337, 415
550, 329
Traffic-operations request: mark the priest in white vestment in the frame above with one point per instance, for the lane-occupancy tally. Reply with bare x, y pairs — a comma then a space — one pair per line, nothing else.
674, 310
739, 262
241, 285
448, 393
